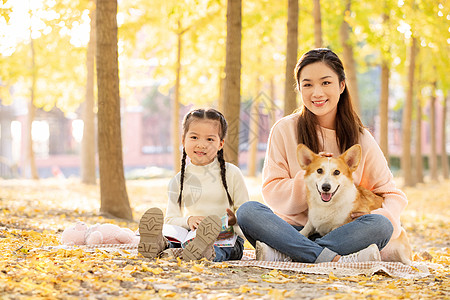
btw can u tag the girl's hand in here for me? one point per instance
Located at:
(194, 221)
(231, 217)
(357, 214)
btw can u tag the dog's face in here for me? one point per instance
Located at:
(326, 176)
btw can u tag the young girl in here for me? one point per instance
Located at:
(325, 123)
(205, 189)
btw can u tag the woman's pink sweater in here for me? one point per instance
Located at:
(283, 187)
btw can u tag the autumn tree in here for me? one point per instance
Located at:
(88, 153)
(29, 151)
(419, 178)
(377, 25)
(44, 60)
(425, 19)
(42, 71)
(253, 137)
(327, 24)
(261, 22)
(429, 22)
(444, 158)
(232, 105)
(433, 152)
(317, 24)
(438, 47)
(384, 109)
(190, 52)
(176, 101)
(407, 117)
(180, 31)
(348, 58)
(114, 197)
(290, 96)
(384, 79)
(196, 74)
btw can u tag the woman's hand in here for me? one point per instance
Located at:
(231, 217)
(194, 221)
(325, 154)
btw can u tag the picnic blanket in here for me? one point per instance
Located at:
(393, 269)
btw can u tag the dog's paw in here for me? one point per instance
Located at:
(304, 232)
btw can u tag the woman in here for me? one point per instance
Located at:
(326, 122)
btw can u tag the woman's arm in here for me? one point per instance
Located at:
(283, 185)
(378, 178)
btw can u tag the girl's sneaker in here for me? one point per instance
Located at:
(152, 241)
(370, 253)
(267, 253)
(206, 235)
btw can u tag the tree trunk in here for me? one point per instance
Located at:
(220, 102)
(232, 104)
(384, 109)
(418, 148)
(407, 115)
(176, 106)
(6, 141)
(253, 134)
(88, 155)
(349, 60)
(273, 107)
(444, 159)
(317, 24)
(384, 95)
(30, 157)
(30, 165)
(290, 96)
(433, 154)
(113, 192)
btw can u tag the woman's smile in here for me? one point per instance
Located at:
(319, 103)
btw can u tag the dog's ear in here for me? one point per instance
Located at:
(304, 156)
(352, 157)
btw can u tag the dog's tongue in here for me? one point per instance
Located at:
(326, 197)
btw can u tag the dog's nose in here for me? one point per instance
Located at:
(326, 187)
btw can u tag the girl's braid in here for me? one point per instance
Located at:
(223, 174)
(183, 167)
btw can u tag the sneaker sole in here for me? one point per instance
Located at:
(207, 233)
(150, 230)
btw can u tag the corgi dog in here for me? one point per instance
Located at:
(332, 197)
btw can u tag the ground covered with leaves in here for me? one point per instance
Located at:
(34, 213)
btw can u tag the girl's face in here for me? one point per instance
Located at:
(202, 141)
(320, 89)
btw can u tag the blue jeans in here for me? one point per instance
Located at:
(259, 223)
(230, 253)
(223, 253)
